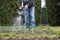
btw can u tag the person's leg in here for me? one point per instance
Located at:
(27, 18)
(32, 14)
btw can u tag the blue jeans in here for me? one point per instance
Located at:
(29, 17)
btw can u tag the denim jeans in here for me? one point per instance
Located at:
(29, 17)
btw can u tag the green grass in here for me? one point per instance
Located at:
(14, 34)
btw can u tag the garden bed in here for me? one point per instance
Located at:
(30, 38)
(39, 33)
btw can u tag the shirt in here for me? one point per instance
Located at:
(29, 2)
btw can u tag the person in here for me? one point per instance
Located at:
(28, 11)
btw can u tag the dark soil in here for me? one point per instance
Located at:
(35, 32)
(30, 32)
(30, 38)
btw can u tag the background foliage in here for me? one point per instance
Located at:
(53, 12)
(8, 10)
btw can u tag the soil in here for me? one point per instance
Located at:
(35, 32)
(30, 32)
(30, 38)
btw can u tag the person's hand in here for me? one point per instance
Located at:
(20, 7)
(26, 6)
